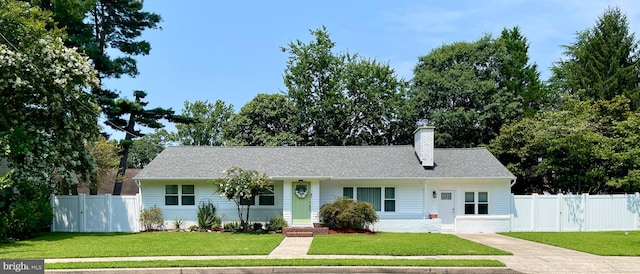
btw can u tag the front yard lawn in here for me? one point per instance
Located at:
(277, 262)
(85, 245)
(614, 243)
(398, 244)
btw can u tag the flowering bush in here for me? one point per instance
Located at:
(240, 185)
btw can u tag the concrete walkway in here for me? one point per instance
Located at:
(528, 257)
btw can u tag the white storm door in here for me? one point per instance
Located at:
(446, 207)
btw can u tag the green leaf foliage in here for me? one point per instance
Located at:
(46, 114)
(267, 120)
(581, 149)
(348, 213)
(208, 125)
(239, 184)
(468, 90)
(602, 63)
(341, 99)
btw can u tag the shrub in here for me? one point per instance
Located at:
(152, 219)
(193, 228)
(177, 223)
(207, 218)
(276, 223)
(233, 225)
(257, 226)
(348, 213)
(23, 218)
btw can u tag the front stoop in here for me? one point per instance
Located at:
(304, 231)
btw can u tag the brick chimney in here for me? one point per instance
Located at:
(424, 144)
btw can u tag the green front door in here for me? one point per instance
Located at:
(301, 203)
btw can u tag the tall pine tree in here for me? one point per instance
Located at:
(602, 63)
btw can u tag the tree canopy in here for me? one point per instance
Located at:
(468, 90)
(240, 184)
(602, 63)
(267, 120)
(342, 99)
(209, 119)
(46, 115)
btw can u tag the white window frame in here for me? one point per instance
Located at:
(476, 202)
(383, 199)
(179, 194)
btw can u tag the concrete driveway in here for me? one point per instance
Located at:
(531, 257)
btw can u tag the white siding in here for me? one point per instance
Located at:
(408, 195)
(499, 192)
(152, 193)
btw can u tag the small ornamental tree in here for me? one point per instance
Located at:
(240, 185)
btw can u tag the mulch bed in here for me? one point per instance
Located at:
(350, 230)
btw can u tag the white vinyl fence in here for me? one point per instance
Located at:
(575, 212)
(107, 213)
(95, 213)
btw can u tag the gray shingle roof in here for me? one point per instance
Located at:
(195, 162)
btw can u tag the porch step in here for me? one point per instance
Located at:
(304, 231)
(299, 234)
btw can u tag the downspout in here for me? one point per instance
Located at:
(513, 182)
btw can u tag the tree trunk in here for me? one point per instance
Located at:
(122, 169)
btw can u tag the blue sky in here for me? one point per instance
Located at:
(230, 50)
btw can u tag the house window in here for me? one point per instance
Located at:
(372, 195)
(347, 192)
(188, 195)
(267, 197)
(390, 199)
(380, 197)
(175, 195)
(476, 203)
(248, 201)
(171, 195)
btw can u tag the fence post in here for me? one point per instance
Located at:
(559, 210)
(138, 209)
(637, 194)
(107, 202)
(585, 216)
(82, 207)
(53, 210)
(534, 212)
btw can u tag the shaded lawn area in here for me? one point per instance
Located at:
(398, 244)
(81, 245)
(610, 243)
(277, 262)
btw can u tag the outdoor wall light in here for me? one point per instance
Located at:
(300, 181)
(435, 195)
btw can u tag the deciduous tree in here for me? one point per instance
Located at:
(342, 99)
(208, 125)
(239, 184)
(147, 147)
(468, 90)
(46, 114)
(267, 120)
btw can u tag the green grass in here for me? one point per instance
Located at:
(399, 244)
(85, 245)
(599, 243)
(277, 262)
